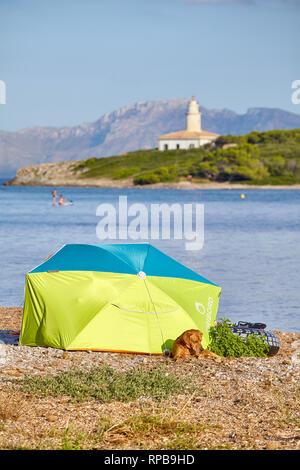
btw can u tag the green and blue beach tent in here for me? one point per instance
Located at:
(115, 297)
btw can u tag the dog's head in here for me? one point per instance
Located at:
(192, 339)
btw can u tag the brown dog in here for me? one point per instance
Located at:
(188, 345)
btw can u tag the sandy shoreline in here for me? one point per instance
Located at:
(184, 185)
(241, 403)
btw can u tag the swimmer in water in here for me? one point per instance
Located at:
(53, 197)
(61, 201)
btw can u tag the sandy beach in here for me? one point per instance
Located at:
(239, 403)
(128, 183)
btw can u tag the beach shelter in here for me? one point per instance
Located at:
(115, 297)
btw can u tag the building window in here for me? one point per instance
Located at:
(178, 146)
(166, 147)
(192, 146)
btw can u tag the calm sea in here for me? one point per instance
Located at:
(251, 247)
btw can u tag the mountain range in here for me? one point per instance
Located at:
(132, 127)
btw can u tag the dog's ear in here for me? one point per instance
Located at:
(200, 335)
(195, 336)
(186, 337)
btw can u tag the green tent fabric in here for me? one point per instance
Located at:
(115, 297)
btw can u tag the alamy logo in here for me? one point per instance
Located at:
(296, 94)
(139, 221)
(2, 92)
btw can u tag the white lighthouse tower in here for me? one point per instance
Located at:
(193, 120)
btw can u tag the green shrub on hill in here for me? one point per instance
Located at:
(159, 175)
(233, 164)
(121, 173)
(148, 177)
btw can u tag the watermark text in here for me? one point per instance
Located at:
(296, 94)
(138, 221)
(2, 92)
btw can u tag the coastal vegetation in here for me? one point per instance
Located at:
(225, 343)
(257, 158)
(106, 384)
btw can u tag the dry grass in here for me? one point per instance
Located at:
(10, 318)
(10, 409)
(290, 411)
(145, 429)
(262, 419)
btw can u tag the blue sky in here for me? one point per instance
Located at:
(65, 62)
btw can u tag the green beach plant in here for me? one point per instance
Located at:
(106, 384)
(225, 343)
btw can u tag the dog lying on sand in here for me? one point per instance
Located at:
(189, 345)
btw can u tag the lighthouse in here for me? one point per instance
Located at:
(193, 117)
(192, 137)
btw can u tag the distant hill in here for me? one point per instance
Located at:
(130, 128)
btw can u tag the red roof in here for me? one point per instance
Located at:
(187, 135)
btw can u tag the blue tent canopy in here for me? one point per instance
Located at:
(118, 258)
